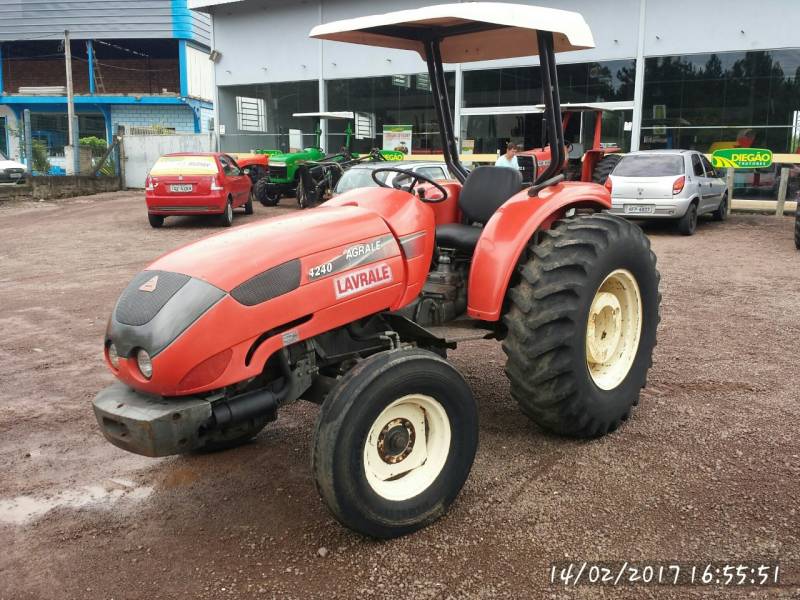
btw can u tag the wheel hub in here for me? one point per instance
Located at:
(407, 447)
(605, 327)
(396, 441)
(613, 329)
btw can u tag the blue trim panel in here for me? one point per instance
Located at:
(181, 20)
(184, 67)
(92, 100)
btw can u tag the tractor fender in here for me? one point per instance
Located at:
(508, 232)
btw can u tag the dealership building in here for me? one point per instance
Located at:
(673, 74)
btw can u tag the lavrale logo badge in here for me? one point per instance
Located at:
(149, 285)
(362, 279)
(742, 158)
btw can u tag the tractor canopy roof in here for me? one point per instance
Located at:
(327, 115)
(469, 31)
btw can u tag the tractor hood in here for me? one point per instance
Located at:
(289, 158)
(230, 258)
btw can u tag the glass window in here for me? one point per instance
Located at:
(697, 166)
(228, 167)
(649, 165)
(518, 86)
(392, 100)
(710, 172)
(251, 114)
(431, 172)
(280, 102)
(722, 100)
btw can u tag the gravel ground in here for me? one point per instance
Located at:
(707, 469)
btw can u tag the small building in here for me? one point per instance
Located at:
(137, 63)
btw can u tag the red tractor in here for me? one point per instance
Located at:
(353, 305)
(593, 164)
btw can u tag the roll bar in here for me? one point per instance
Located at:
(552, 111)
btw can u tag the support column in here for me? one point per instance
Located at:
(323, 96)
(90, 54)
(458, 103)
(638, 88)
(1, 69)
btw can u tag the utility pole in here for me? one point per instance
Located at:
(72, 156)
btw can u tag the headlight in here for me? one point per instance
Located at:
(113, 357)
(144, 362)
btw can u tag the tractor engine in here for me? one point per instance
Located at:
(444, 296)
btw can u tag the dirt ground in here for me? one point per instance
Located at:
(707, 469)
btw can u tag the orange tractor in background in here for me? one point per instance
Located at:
(594, 163)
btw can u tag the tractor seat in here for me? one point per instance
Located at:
(485, 190)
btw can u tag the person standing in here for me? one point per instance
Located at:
(509, 159)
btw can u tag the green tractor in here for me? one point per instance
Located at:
(292, 170)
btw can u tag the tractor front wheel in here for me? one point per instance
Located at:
(263, 195)
(394, 442)
(582, 325)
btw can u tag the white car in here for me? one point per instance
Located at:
(11, 171)
(667, 184)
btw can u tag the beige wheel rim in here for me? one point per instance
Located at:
(614, 329)
(407, 447)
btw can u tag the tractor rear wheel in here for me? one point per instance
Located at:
(263, 195)
(582, 325)
(394, 442)
(604, 167)
(301, 195)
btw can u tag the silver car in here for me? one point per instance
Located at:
(360, 176)
(667, 184)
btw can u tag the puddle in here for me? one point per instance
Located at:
(23, 509)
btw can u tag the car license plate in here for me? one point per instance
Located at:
(15, 175)
(639, 209)
(181, 188)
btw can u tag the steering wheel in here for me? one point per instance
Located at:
(415, 179)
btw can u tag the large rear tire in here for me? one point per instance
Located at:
(226, 218)
(156, 221)
(394, 442)
(604, 167)
(582, 325)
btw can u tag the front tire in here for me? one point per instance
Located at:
(263, 195)
(582, 325)
(394, 442)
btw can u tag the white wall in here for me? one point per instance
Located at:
(200, 74)
(692, 27)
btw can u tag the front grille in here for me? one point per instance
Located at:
(277, 173)
(137, 307)
(525, 163)
(6, 175)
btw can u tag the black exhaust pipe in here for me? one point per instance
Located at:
(252, 405)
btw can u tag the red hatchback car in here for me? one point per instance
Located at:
(205, 183)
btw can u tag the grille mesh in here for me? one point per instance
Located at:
(269, 284)
(137, 307)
